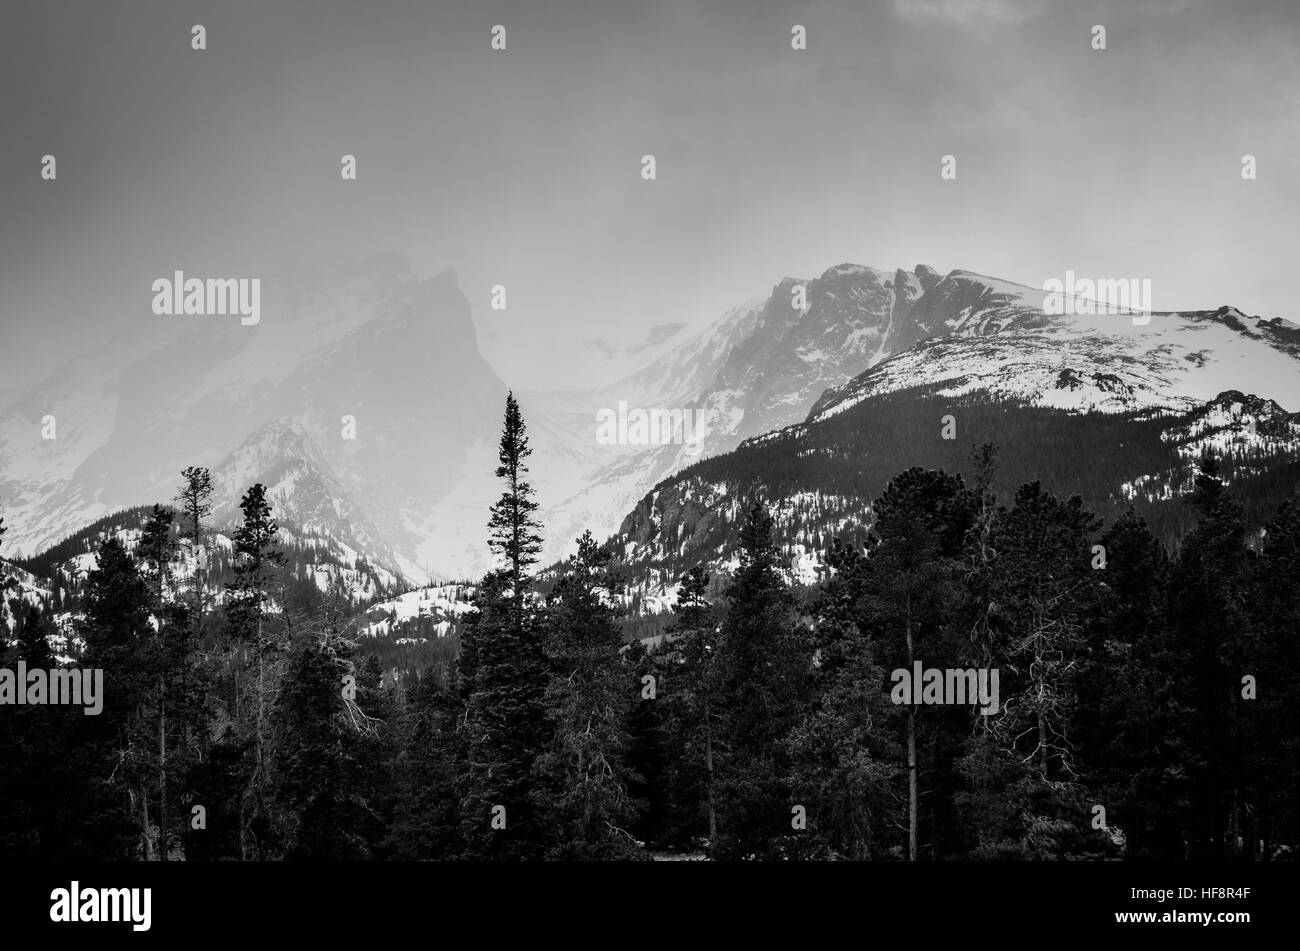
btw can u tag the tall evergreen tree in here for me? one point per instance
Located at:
(170, 654)
(690, 690)
(1213, 648)
(30, 737)
(426, 822)
(513, 529)
(1045, 588)
(111, 752)
(317, 756)
(1121, 732)
(1276, 601)
(845, 767)
(31, 638)
(914, 604)
(502, 670)
(195, 499)
(761, 671)
(258, 559)
(584, 777)
(650, 785)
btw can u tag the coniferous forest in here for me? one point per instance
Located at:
(1147, 703)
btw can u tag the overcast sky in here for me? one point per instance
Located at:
(523, 167)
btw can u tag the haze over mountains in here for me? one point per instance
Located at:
(400, 357)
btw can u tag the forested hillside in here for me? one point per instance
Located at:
(1137, 698)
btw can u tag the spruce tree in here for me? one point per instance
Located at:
(426, 821)
(155, 550)
(690, 690)
(258, 559)
(1120, 728)
(31, 638)
(1045, 589)
(1215, 647)
(1276, 604)
(502, 670)
(583, 793)
(30, 737)
(316, 760)
(195, 498)
(760, 675)
(109, 814)
(650, 777)
(915, 605)
(844, 767)
(513, 529)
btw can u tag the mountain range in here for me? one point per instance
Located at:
(364, 404)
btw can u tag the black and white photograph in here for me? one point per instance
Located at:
(476, 446)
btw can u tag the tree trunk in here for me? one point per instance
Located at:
(913, 837)
(708, 765)
(162, 768)
(144, 825)
(913, 847)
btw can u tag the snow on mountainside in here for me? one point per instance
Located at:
(817, 479)
(866, 332)
(19, 590)
(583, 484)
(314, 560)
(362, 400)
(759, 367)
(369, 342)
(1251, 431)
(1101, 362)
(302, 489)
(317, 559)
(437, 609)
(1236, 424)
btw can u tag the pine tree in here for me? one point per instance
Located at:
(1216, 647)
(914, 603)
(1120, 727)
(156, 549)
(844, 766)
(31, 638)
(258, 558)
(112, 750)
(584, 777)
(195, 498)
(690, 689)
(426, 822)
(1276, 601)
(649, 784)
(1045, 588)
(513, 529)
(375, 742)
(760, 675)
(316, 753)
(30, 737)
(502, 670)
